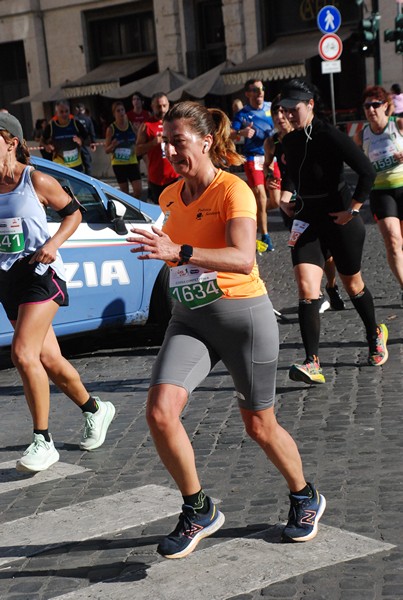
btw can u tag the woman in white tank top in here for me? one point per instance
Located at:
(382, 141)
(32, 287)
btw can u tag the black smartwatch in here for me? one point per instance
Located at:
(354, 212)
(186, 253)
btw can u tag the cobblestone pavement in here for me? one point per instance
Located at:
(349, 431)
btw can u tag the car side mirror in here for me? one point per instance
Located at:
(117, 222)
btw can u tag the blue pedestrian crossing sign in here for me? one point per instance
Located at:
(328, 19)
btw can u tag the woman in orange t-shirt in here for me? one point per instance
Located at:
(222, 312)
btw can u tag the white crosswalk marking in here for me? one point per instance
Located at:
(223, 570)
(10, 479)
(239, 566)
(76, 523)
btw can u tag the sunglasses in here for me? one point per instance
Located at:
(257, 90)
(375, 104)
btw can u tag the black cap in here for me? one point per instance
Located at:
(290, 98)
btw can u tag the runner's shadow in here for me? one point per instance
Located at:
(16, 448)
(108, 572)
(11, 474)
(269, 533)
(97, 573)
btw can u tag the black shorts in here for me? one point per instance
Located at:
(124, 173)
(387, 203)
(344, 242)
(21, 285)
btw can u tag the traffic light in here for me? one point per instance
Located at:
(399, 34)
(368, 33)
(396, 35)
(389, 35)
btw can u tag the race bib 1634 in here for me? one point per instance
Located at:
(194, 286)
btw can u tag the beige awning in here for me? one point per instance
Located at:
(165, 81)
(106, 77)
(210, 82)
(284, 59)
(51, 94)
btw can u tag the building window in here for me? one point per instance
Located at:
(14, 83)
(210, 48)
(123, 31)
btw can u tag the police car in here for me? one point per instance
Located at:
(107, 284)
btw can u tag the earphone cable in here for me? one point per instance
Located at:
(307, 131)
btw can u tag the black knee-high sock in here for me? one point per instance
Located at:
(364, 305)
(309, 323)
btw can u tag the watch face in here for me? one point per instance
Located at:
(186, 251)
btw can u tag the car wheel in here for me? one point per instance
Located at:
(161, 300)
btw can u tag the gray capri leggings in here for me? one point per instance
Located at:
(243, 333)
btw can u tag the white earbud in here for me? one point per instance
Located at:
(205, 146)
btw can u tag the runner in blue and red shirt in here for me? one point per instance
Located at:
(255, 124)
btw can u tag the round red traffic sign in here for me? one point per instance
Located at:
(330, 46)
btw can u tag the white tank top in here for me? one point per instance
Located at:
(23, 226)
(380, 148)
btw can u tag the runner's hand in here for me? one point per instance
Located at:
(288, 208)
(273, 183)
(342, 217)
(45, 255)
(154, 245)
(248, 131)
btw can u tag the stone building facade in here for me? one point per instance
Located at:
(48, 43)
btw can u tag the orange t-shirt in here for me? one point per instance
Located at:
(202, 225)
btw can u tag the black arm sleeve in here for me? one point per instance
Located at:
(287, 184)
(355, 158)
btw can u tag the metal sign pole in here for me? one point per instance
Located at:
(330, 46)
(332, 98)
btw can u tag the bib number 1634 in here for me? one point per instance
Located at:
(194, 288)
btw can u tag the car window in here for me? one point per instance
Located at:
(131, 213)
(87, 196)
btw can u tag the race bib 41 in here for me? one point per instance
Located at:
(12, 239)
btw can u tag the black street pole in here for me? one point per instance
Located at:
(377, 46)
